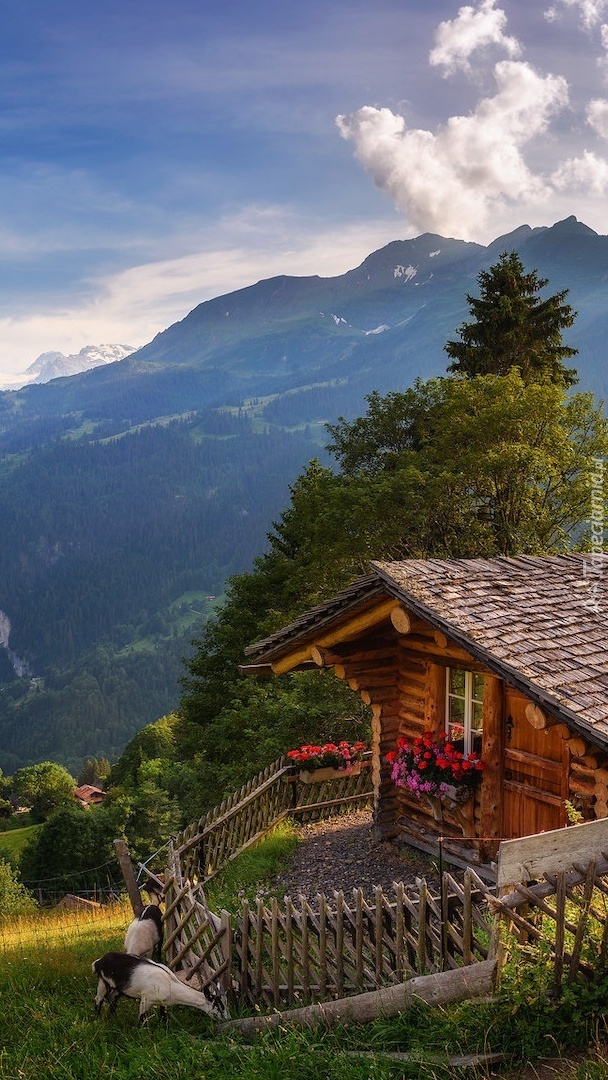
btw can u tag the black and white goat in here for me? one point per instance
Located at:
(125, 975)
(145, 934)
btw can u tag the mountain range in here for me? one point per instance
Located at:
(129, 492)
(56, 365)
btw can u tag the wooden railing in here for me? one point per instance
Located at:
(207, 846)
(568, 914)
(201, 945)
(291, 951)
(294, 951)
(197, 942)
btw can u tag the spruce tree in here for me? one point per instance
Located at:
(514, 327)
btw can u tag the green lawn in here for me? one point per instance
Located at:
(14, 839)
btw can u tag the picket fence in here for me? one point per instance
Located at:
(296, 950)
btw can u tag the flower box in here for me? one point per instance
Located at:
(327, 762)
(317, 776)
(456, 793)
(457, 802)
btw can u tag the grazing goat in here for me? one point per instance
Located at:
(124, 975)
(145, 934)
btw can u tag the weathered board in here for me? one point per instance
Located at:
(531, 857)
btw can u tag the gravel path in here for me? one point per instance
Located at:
(342, 853)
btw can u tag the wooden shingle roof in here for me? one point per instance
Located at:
(539, 622)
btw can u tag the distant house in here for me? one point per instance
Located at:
(88, 795)
(507, 655)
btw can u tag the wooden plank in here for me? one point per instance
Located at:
(467, 921)
(378, 936)
(358, 894)
(339, 896)
(490, 823)
(531, 857)
(434, 698)
(245, 972)
(126, 866)
(577, 947)
(289, 948)
(305, 951)
(322, 946)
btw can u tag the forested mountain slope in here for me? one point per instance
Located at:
(130, 492)
(109, 550)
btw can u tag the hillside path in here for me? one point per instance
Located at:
(342, 853)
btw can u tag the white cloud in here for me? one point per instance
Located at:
(587, 172)
(591, 11)
(454, 181)
(597, 116)
(457, 39)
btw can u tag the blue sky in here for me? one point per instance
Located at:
(155, 155)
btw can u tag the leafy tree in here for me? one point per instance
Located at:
(514, 327)
(14, 897)
(149, 813)
(44, 787)
(155, 741)
(499, 466)
(72, 842)
(452, 468)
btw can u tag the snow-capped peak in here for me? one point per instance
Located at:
(54, 365)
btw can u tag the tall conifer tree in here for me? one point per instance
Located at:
(514, 327)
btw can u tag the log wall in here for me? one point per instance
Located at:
(398, 667)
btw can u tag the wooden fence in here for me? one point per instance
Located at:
(197, 942)
(292, 951)
(296, 951)
(208, 845)
(568, 914)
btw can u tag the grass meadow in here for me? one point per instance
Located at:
(49, 1028)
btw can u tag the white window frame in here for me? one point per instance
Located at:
(469, 701)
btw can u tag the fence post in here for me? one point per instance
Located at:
(226, 950)
(126, 866)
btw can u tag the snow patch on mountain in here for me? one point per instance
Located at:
(406, 272)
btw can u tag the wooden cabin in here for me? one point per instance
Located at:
(510, 655)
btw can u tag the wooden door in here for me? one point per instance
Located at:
(535, 774)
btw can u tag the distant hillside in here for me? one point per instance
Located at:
(128, 493)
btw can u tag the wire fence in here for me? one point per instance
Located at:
(98, 885)
(53, 934)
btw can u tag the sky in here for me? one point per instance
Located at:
(155, 154)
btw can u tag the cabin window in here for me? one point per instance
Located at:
(464, 707)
